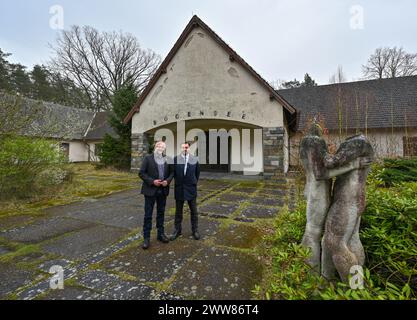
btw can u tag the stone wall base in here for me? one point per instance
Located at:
(140, 147)
(273, 151)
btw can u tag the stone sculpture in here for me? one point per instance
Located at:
(320, 167)
(341, 246)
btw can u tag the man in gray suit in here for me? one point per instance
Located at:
(156, 174)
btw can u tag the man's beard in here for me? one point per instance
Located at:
(159, 153)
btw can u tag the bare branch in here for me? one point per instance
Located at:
(101, 63)
(390, 63)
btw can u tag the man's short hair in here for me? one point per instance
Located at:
(187, 142)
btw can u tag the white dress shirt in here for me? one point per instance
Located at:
(185, 161)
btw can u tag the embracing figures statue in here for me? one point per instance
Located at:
(335, 209)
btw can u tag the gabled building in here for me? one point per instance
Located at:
(80, 132)
(204, 84)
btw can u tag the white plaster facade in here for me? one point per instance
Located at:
(201, 78)
(205, 88)
(80, 151)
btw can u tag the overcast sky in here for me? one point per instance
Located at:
(280, 39)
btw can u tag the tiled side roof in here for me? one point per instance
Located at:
(383, 103)
(99, 127)
(51, 120)
(56, 121)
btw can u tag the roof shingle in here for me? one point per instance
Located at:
(382, 103)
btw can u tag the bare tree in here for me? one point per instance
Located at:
(390, 63)
(338, 76)
(100, 63)
(409, 65)
(401, 63)
(377, 64)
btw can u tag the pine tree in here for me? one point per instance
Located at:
(116, 151)
(19, 78)
(4, 72)
(308, 81)
(41, 86)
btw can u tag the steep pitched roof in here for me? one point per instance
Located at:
(382, 103)
(52, 120)
(99, 127)
(197, 22)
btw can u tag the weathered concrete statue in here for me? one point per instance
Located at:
(341, 245)
(320, 167)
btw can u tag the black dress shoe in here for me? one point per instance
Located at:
(146, 243)
(163, 238)
(175, 235)
(196, 235)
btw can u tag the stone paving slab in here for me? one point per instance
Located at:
(277, 182)
(213, 185)
(32, 258)
(248, 190)
(218, 274)
(239, 235)
(230, 197)
(46, 265)
(43, 229)
(218, 210)
(84, 242)
(157, 264)
(12, 278)
(256, 211)
(268, 201)
(207, 227)
(126, 214)
(114, 287)
(273, 192)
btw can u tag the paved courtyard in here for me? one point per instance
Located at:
(97, 243)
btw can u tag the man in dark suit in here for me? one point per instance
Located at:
(186, 173)
(156, 174)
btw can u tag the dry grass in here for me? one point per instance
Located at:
(87, 182)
